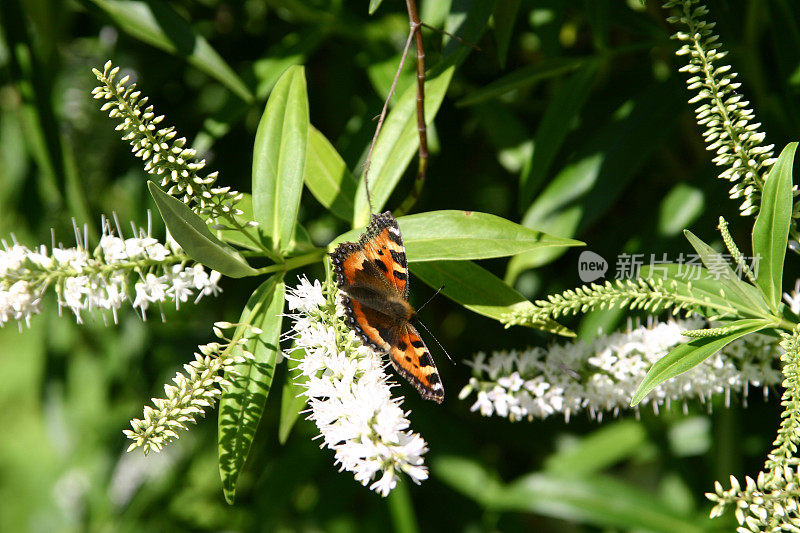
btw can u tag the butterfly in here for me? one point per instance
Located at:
(372, 274)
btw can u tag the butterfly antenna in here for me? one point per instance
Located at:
(437, 340)
(431, 298)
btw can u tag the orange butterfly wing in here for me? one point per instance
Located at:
(411, 358)
(373, 275)
(383, 245)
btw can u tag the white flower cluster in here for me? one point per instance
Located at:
(165, 157)
(349, 395)
(767, 503)
(194, 391)
(85, 281)
(603, 375)
(731, 130)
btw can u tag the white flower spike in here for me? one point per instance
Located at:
(349, 394)
(602, 376)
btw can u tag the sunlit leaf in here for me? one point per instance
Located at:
(771, 230)
(292, 401)
(243, 401)
(279, 158)
(456, 235)
(478, 290)
(327, 177)
(690, 354)
(196, 239)
(397, 144)
(735, 289)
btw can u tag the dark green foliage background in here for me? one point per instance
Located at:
(67, 391)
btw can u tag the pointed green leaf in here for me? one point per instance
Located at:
(505, 14)
(719, 268)
(520, 78)
(242, 403)
(397, 144)
(279, 158)
(467, 19)
(457, 235)
(157, 24)
(600, 449)
(585, 189)
(559, 118)
(292, 399)
(687, 356)
(679, 209)
(478, 290)
(196, 239)
(327, 177)
(374, 5)
(771, 230)
(598, 500)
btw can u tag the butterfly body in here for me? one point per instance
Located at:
(372, 274)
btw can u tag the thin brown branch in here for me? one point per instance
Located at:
(422, 170)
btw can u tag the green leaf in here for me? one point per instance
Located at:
(242, 403)
(719, 268)
(196, 239)
(600, 449)
(682, 205)
(456, 235)
(559, 118)
(520, 78)
(374, 5)
(397, 144)
(771, 230)
(247, 237)
(505, 14)
(279, 158)
(157, 24)
(585, 189)
(689, 355)
(292, 401)
(598, 500)
(327, 177)
(467, 19)
(468, 477)
(478, 290)
(381, 75)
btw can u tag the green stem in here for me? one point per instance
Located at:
(294, 262)
(401, 509)
(46, 277)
